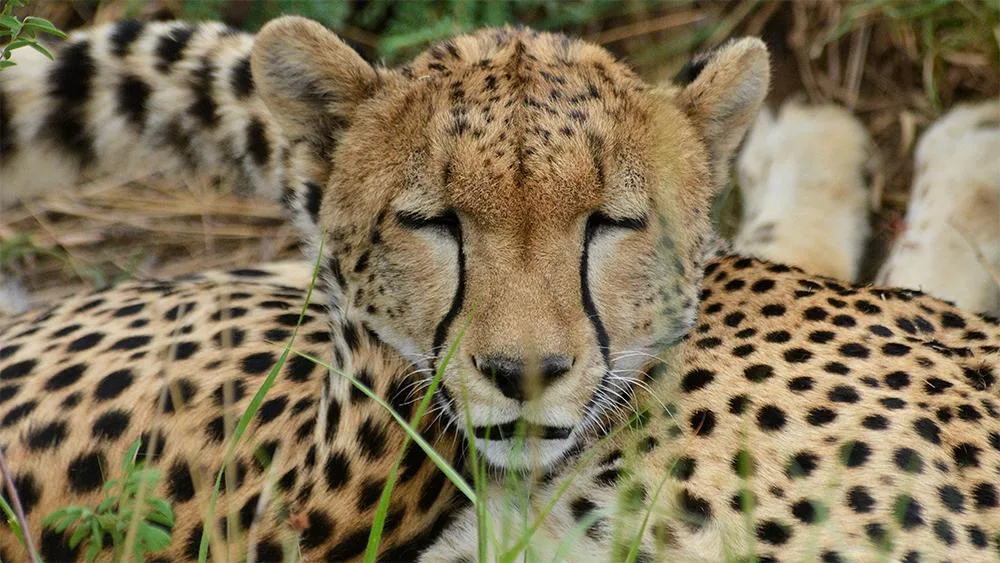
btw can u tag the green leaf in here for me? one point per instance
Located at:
(77, 537)
(130, 455)
(43, 25)
(41, 49)
(155, 538)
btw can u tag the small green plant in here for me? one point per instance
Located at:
(18, 33)
(111, 518)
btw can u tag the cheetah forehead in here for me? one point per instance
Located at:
(514, 115)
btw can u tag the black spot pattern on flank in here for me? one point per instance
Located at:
(371, 439)
(132, 97)
(702, 422)
(71, 79)
(180, 487)
(17, 370)
(170, 47)
(773, 532)
(8, 392)
(123, 34)
(256, 364)
(928, 430)
(131, 342)
(300, 369)
(696, 379)
(16, 414)
(85, 342)
(182, 389)
(985, 496)
(241, 79)
(204, 108)
(46, 436)
(65, 377)
(770, 418)
(272, 408)
(314, 197)
(802, 464)
(258, 147)
(86, 472)
(28, 490)
(320, 529)
(860, 500)
(348, 548)
(854, 453)
(110, 425)
(55, 547)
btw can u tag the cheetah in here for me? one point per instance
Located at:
(526, 196)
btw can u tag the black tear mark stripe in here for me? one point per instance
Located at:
(70, 87)
(594, 222)
(450, 223)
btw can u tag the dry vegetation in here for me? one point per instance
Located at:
(898, 64)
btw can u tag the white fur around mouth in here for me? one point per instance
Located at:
(524, 453)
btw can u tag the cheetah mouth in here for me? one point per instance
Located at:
(520, 428)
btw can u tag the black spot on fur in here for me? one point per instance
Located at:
(170, 47)
(46, 436)
(204, 108)
(110, 425)
(241, 79)
(65, 377)
(180, 487)
(371, 439)
(314, 197)
(258, 147)
(337, 470)
(71, 79)
(28, 491)
(17, 370)
(132, 97)
(86, 472)
(123, 35)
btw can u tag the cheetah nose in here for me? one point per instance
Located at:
(508, 374)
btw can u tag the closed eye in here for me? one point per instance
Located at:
(447, 221)
(599, 220)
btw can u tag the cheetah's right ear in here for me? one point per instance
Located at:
(723, 93)
(310, 80)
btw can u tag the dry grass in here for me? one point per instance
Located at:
(898, 64)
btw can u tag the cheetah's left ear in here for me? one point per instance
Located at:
(310, 80)
(724, 91)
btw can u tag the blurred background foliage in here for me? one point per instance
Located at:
(897, 64)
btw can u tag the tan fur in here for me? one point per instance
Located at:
(508, 142)
(951, 244)
(804, 190)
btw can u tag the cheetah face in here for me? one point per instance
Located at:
(519, 194)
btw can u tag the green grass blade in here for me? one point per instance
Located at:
(441, 463)
(371, 551)
(250, 412)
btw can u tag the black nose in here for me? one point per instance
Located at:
(508, 373)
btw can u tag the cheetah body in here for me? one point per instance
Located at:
(503, 155)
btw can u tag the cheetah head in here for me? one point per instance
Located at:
(520, 193)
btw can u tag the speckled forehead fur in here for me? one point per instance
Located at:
(513, 127)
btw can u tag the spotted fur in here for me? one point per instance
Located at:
(526, 193)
